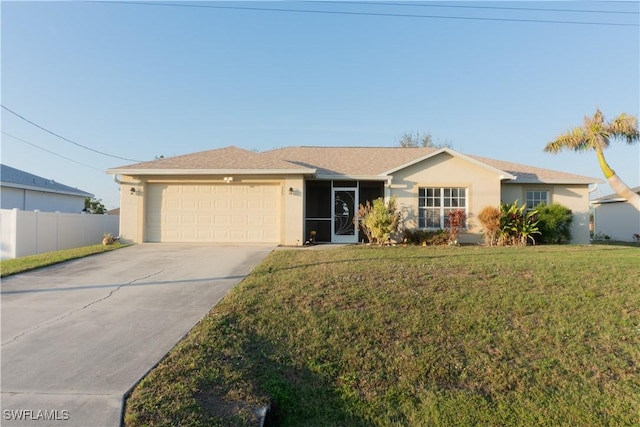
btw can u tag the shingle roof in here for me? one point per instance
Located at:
(613, 198)
(337, 161)
(349, 161)
(227, 158)
(532, 174)
(12, 177)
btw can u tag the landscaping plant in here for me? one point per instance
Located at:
(516, 225)
(489, 217)
(457, 219)
(379, 221)
(554, 223)
(425, 237)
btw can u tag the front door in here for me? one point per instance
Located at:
(344, 210)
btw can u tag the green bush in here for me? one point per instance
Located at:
(426, 237)
(516, 225)
(379, 221)
(554, 224)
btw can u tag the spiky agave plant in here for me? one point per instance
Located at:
(596, 134)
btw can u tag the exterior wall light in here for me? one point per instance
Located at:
(291, 191)
(132, 190)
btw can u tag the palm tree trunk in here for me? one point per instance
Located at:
(624, 191)
(616, 183)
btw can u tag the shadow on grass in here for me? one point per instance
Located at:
(615, 243)
(296, 396)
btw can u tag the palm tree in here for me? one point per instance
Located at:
(595, 135)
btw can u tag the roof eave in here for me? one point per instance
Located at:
(515, 180)
(79, 193)
(174, 172)
(608, 201)
(351, 177)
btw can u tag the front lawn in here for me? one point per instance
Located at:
(409, 336)
(32, 262)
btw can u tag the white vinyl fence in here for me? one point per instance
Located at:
(33, 232)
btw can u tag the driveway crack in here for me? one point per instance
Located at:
(50, 322)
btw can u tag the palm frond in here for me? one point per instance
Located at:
(576, 139)
(625, 127)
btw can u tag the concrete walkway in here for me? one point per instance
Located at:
(75, 337)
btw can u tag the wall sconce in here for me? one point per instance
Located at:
(291, 191)
(228, 179)
(132, 190)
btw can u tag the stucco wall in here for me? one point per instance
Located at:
(293, 212)
(444, 170)
(574, 197)
(130, 209)
(619, 221)
(29, 200)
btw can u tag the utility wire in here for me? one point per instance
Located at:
(396, 15)
(49, 151)
(457, 6)
(66, 139)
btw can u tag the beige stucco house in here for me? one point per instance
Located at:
(281, 196)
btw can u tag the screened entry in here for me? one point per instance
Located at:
(331, 206)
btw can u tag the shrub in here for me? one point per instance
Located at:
(516, 225)
(426, 237)
(378, 221)
(457, 220)
(489, 217)
(554, 223)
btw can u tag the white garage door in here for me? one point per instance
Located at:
(213, 213)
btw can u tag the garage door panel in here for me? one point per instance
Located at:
(213, 213)
(270, 220)
(238, 220)
(238, 204)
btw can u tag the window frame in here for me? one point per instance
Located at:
(547, 200)
(440, 200)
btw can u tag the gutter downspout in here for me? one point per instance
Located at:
(117, 181)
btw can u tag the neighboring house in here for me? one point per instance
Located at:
(281, 196)
(28, 192)
(615, 217)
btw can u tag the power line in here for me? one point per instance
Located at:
(49, 151)
(395, 15)
(66, 139)
(457, 6)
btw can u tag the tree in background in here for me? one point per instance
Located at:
(595, 134)
(94, 206)
(409, 139)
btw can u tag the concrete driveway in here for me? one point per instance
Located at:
(77, 336)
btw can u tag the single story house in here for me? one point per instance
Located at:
(613, 216)
(25, 191)
(281, 196)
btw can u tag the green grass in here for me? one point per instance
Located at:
(408, 336)
(32, 262)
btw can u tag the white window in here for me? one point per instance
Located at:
(535, 197)
(435, 203)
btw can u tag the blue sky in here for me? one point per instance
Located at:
(138, 81)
